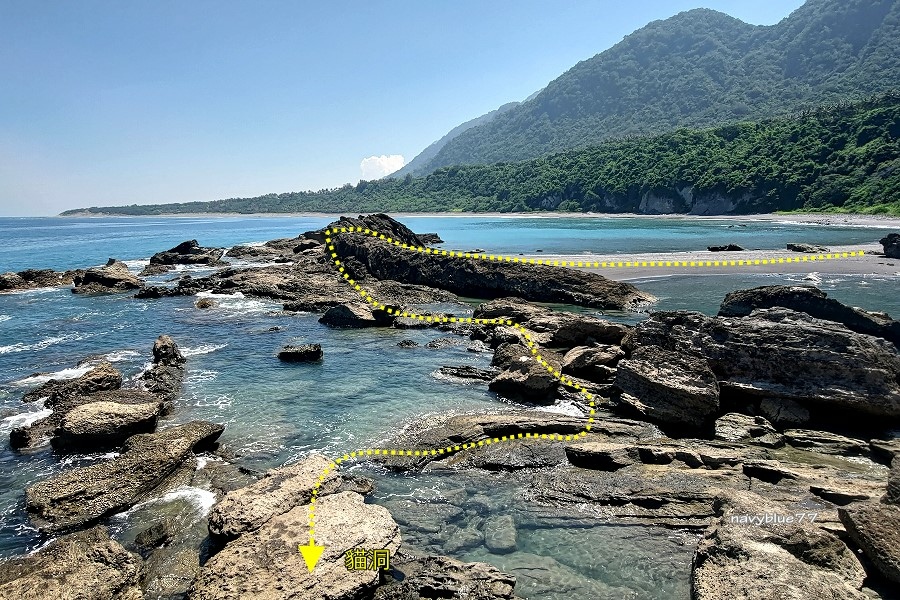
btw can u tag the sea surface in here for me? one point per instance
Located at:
(367, 388)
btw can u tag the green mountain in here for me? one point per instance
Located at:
(696, 69)
(842, 157)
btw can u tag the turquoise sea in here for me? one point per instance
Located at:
(366, 388)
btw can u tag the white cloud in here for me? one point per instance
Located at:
(376, 167)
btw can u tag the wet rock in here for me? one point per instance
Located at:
(103, 425)
(875, 528)
(156, 535)
(169, 571)
(891, 244)
(814, 302)
(10, 281)
(189, 253)
(102, 377)
(204, 303)
(165, 377)
(343, 521)
(500, 536)
(825, 442)
(302, 353)
(112, 278)
(507, 456)
(808, 248)
(248, 508)
(86, 564)
(463, 538)
(482, 278)
(445, 342)
(668, 387)
(526, 380)
(153, 270)
(735, 427)
(35, 278)
(779, 353)
(725, 248)
(783, 411)
(83, 495)
(355, 315)
(467, 373)
(407, 344)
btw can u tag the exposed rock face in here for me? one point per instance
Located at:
(302, 353)
(893, 488)
(101, 425)
(783, 411)
(891, 243)
(204, 303)
(796, 561)
(482, 278)
(248, 508)
(876, 529)
(526, 379)
(825, 442)
(189, 253)
(668, 386)
(35, 278)
(467, 373)
(83, 495)
(103, 377)
(782, 354)
(808, 248)
(86, 564)
(343, 521)
(814, 302)
(735, 427)
(592, 362)
(443, 577)
(113, 278)
(355, 315)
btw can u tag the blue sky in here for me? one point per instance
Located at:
(125, 102)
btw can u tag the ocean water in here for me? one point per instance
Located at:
(367, 388)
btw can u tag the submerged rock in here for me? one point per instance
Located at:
(112, 278)
(83, 495)
(500, 536)
(302, 353)
(86, 564)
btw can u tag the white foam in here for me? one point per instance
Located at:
(202, 349)
(41, 345)
(63, 374)
(5, 318)
(200, 375)
(201, 499)
(121, 355)
(202, 461)
(219, 401)
(237, 302)
(25, 419)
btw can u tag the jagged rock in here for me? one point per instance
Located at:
(769, 471)
(594, 363)
(891, 244)
(84, 495)
(516, 309)
(355, 314)
(825, 442)
(527, 380)
(790, 561)
(36, 278)
(407, 344)
(509, 456)
(808, 248)
(725, 248)
(779, 353)
(783, 411)
(189, 253)
(101, 378)
(156, 535)
(735, 427)
(814, 302)
(86, 564)
(279, 490)
(155, 269)
(466, 372)
(500, 536)
(302, 353)
(875, 528)
(165, 377)
(343, 521)
(12, 281)
(480, 278)
(668, 386)
(602, 456)
(101, 425)
(204, 303)
(112, 278)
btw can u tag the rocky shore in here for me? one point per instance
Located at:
(767, 431)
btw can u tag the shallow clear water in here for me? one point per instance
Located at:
(366, 388)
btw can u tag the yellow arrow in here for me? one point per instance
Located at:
(311, 554)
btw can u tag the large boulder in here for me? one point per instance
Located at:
(668, 387)
(102, 425)
(526, 379)
(84, 495)
(875, 528)
(86, 564)
(480, 278)
(595, 363)
(891, 244)
(343, 521)
(355, 314)
(112, 278)
(814, 302)
(301, 353)
(189, 253)
(783, 354)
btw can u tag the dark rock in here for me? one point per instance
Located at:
(825, 442)
(355, 315)
(304, 245)
(444, 342)
(102, 425)
(808, 248)
(466, 372)
(837, 496)
(893, 487)
(479, 278)
(594, 363)
(725, 248)
(885, 450)
(891, 243)
(668, 386)
(431, 238)
(782, 354)
(302, 353)
(407, 344)
(875, 528)
(443, 577)
(152, 270)
(735, 427)
(814, 302)
(189, 253)
(528, 380)
(84, 495)
(87, 564)
(165, 377)
(783, 411)
(769, 471)
(205, 303)
(12, 281)
(36, 278)
(103, 377)
(156, 535)
(602, 456)
(112, 278)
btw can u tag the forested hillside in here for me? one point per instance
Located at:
(696, 69)
(840, 157)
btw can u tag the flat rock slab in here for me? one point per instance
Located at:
(87, 564)
(876, 529)
(444, 577)
(302, 353)
(267, 564)
(104, 424)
